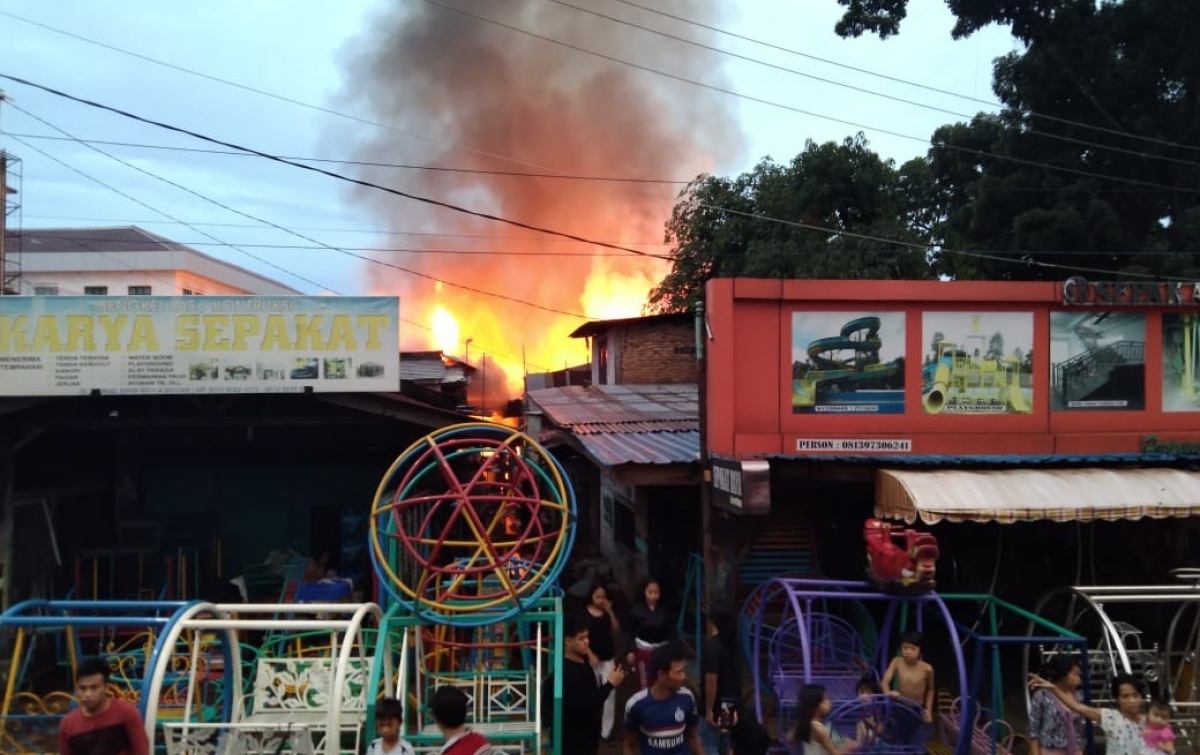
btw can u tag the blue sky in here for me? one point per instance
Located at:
(303, 51)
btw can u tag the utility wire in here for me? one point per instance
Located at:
(925, 247)
(931, 248)
(359, 119)
(801, 111)
(368, 163)
(907, 82)
(372, 231)
(864, 90)
(172, 284)
(389, 127)
(272, 95)
(76, 238)
(324, 172)
(299, 235)
(240, 245)
(165, 214)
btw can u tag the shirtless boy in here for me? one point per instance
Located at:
(913, 676)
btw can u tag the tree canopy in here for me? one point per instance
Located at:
(848, 214)
(1091, 165)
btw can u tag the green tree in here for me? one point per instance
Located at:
(845, 211)
(1089, 164)
(995, 346)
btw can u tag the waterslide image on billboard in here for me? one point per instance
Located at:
(847, 363)
(1181, 362)
(977, 363)
(1097, 361)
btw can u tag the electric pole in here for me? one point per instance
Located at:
(3, 210)
(5, 190)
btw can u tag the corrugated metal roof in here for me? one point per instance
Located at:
(1058, 495)
(430, 366)
(627, 424)
(639, 408)
(618, 448)
(596, 327)
(989, 460)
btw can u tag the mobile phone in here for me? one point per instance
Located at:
(725, 714)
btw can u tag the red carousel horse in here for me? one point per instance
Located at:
(900, 560)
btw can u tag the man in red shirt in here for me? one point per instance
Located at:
(100, 725)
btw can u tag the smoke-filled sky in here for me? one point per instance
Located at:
(412, 82)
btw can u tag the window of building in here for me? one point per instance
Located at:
(139, 290)
(50, 289)
(188, 292)
(95, 290)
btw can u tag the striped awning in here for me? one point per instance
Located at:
(1021, 495)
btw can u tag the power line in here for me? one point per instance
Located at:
(908, 82)
(324, 172)
(431, 234)
(365, 163)
(137, 201)
(910, 137)
(801, 111)
(299, 235)
(931, 248)
(173, 285)
(389, 127)
(925, 247)
(863, 90)
(469, 252)
(272, 95)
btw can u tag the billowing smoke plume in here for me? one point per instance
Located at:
(467, 94)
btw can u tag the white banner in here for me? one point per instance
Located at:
(71, 345)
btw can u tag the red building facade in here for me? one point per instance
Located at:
(828, 402)
(950, 368)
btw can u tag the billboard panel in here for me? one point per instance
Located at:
(847, 362)
(1181, 365)
(71, 345)
(1097, 360)
(978, 363)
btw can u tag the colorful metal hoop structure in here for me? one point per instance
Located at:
(471, 524)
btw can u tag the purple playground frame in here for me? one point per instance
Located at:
(828, 653)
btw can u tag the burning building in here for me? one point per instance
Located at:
(508, 114)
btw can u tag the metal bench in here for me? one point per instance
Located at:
(311, 700)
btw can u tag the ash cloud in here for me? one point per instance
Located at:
(498, 100)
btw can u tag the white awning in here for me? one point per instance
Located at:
(1019, 495)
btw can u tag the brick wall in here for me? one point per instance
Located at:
(659, 353)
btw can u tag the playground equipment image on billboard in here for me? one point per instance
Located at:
(72, 345)
(1181, 362)
(847, 363)
(1097, 360)
(977, 363)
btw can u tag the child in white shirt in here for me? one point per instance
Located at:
(388, 714)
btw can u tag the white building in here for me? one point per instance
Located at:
(120, 262)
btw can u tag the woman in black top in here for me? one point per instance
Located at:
(603, 626)
(651, 624)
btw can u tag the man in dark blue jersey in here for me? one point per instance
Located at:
(662, 719)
